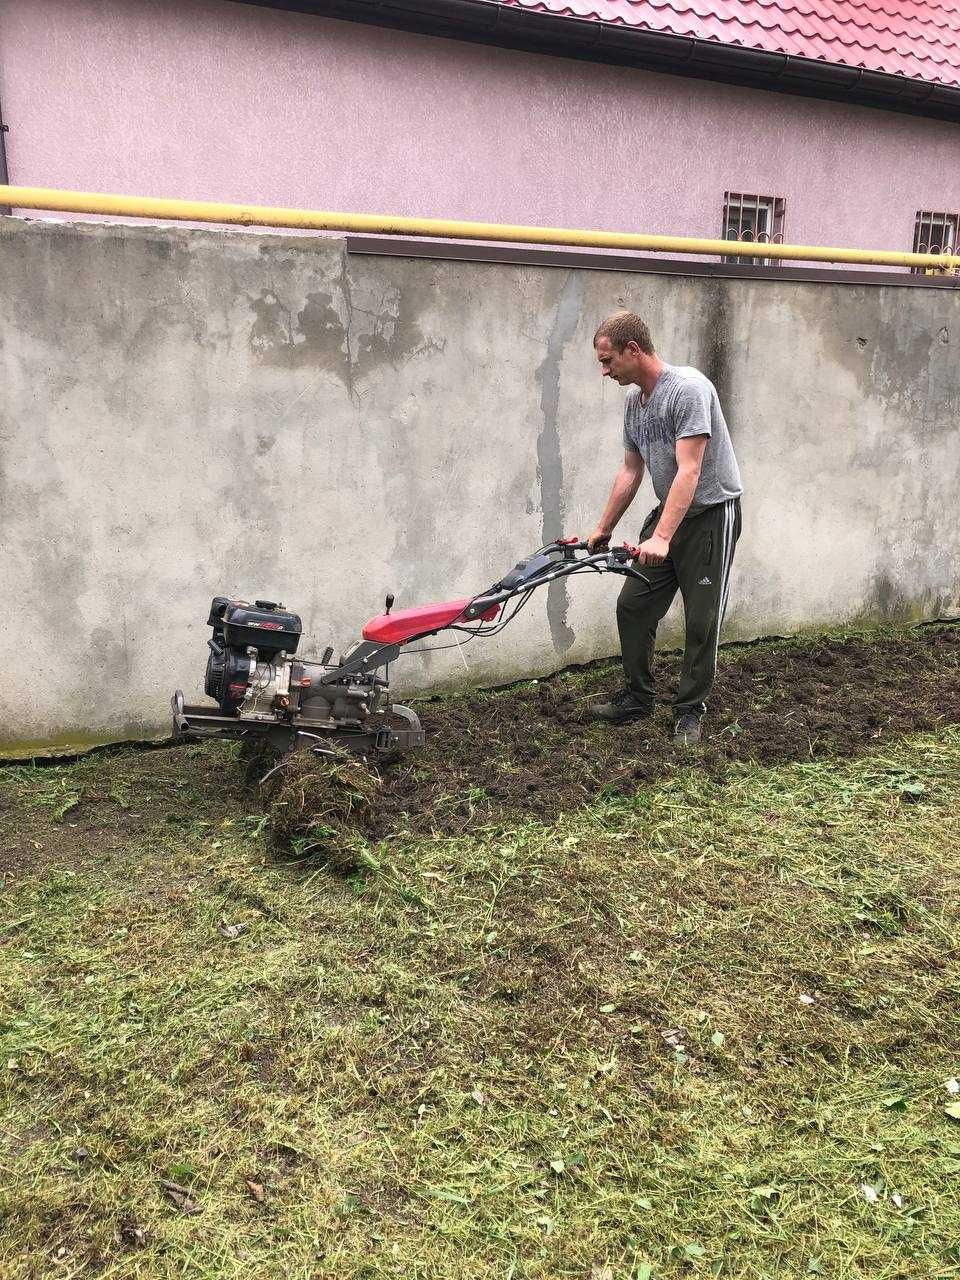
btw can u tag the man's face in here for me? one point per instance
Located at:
(622, 366)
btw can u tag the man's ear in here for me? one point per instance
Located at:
(633, 347)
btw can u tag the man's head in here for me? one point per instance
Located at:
(624, 349)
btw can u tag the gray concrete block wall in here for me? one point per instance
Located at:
(194, 412)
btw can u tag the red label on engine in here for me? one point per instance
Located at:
(236, 689)
(268, 626)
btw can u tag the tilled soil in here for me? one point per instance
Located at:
(536, 748)
(494, 757)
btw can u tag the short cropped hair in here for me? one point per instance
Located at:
(623, 327)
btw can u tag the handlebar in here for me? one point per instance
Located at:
(556, 560)
(626, 550)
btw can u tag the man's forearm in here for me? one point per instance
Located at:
(678, 502)
(624, 491)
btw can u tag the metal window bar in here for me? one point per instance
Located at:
(755, 219)
(934, 233)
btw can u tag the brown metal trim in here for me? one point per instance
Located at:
(599, 260)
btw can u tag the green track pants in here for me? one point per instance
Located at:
(701, 554)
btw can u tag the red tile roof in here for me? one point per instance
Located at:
(919, 39)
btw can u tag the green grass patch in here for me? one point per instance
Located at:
(700, 1028)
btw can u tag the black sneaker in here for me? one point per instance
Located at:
(686, 731)
(622, 707)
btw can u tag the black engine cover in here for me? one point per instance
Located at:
(264, 625)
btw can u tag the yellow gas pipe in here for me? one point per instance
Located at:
(444, 228)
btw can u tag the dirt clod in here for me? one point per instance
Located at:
(318, 804)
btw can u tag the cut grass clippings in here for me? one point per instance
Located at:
(705, 1026)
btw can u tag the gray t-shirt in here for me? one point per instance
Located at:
(683, 403)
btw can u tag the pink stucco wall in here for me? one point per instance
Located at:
(214, 100)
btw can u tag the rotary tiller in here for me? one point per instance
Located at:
(263, 692)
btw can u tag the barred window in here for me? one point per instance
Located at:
(934, 233)
(754, 219)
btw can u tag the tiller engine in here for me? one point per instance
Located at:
(263, 691)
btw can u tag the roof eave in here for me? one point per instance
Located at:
(512, 27)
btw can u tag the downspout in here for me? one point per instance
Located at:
(4, 179)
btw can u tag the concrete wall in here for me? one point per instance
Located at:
(212, 100)
(188, 412)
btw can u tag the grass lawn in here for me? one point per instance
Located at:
(703, 1025)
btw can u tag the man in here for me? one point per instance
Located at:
(674, 428)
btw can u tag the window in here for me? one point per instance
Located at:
(754, 219)
(934, 233)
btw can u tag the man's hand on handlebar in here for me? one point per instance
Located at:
(653, 550)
